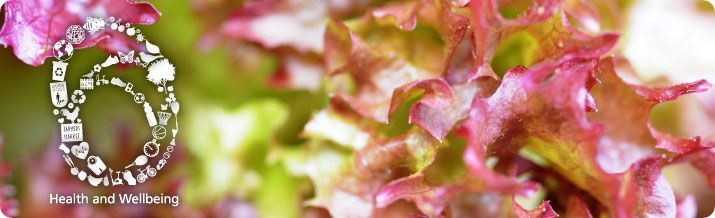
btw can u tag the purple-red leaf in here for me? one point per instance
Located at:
(32, 26)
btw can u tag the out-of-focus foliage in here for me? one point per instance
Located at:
(375, 108)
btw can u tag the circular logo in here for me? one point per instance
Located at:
(75, 34)
(62, 50)
(161, 116)
(159, 132)
(151, 149)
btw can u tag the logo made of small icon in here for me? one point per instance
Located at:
(161, 72)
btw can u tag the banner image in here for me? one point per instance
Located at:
(357, 108)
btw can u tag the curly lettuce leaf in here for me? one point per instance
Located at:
(545, 21)
(545, 110)
(367, 80)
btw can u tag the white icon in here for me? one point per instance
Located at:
(173, 142)
(129, 178)
(151, 149)
(175, 109)
(160, 72)
(148, 58)
(115, 180)
(71, 116)
(163, 117)
(161, 164)
(57, 112)
(93, 181)
(151, 48)
(80, 151)
(58, 93)
(62, 50)
(139, 161)
(111, 60)
(106, 181)
(139, 98)
(111, 20)
(90, 74)
(149, 114)
(82, 175)
(118, 82)
(96, 164)
(78, 97)
(86, 83)
(171, 97)
(102, 81)
(166, 155)
(73, 170)
(159, 132)
(129, 88)
(131, 31)
(58, 70)
(75, 34)
(141, 177)
(126, 58)
(64, 148)
(71, 132)
(150, 171)
(92, 25)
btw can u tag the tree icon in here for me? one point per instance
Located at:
(161, 72)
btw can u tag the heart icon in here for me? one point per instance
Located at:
(61, 120)
(81, 150)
